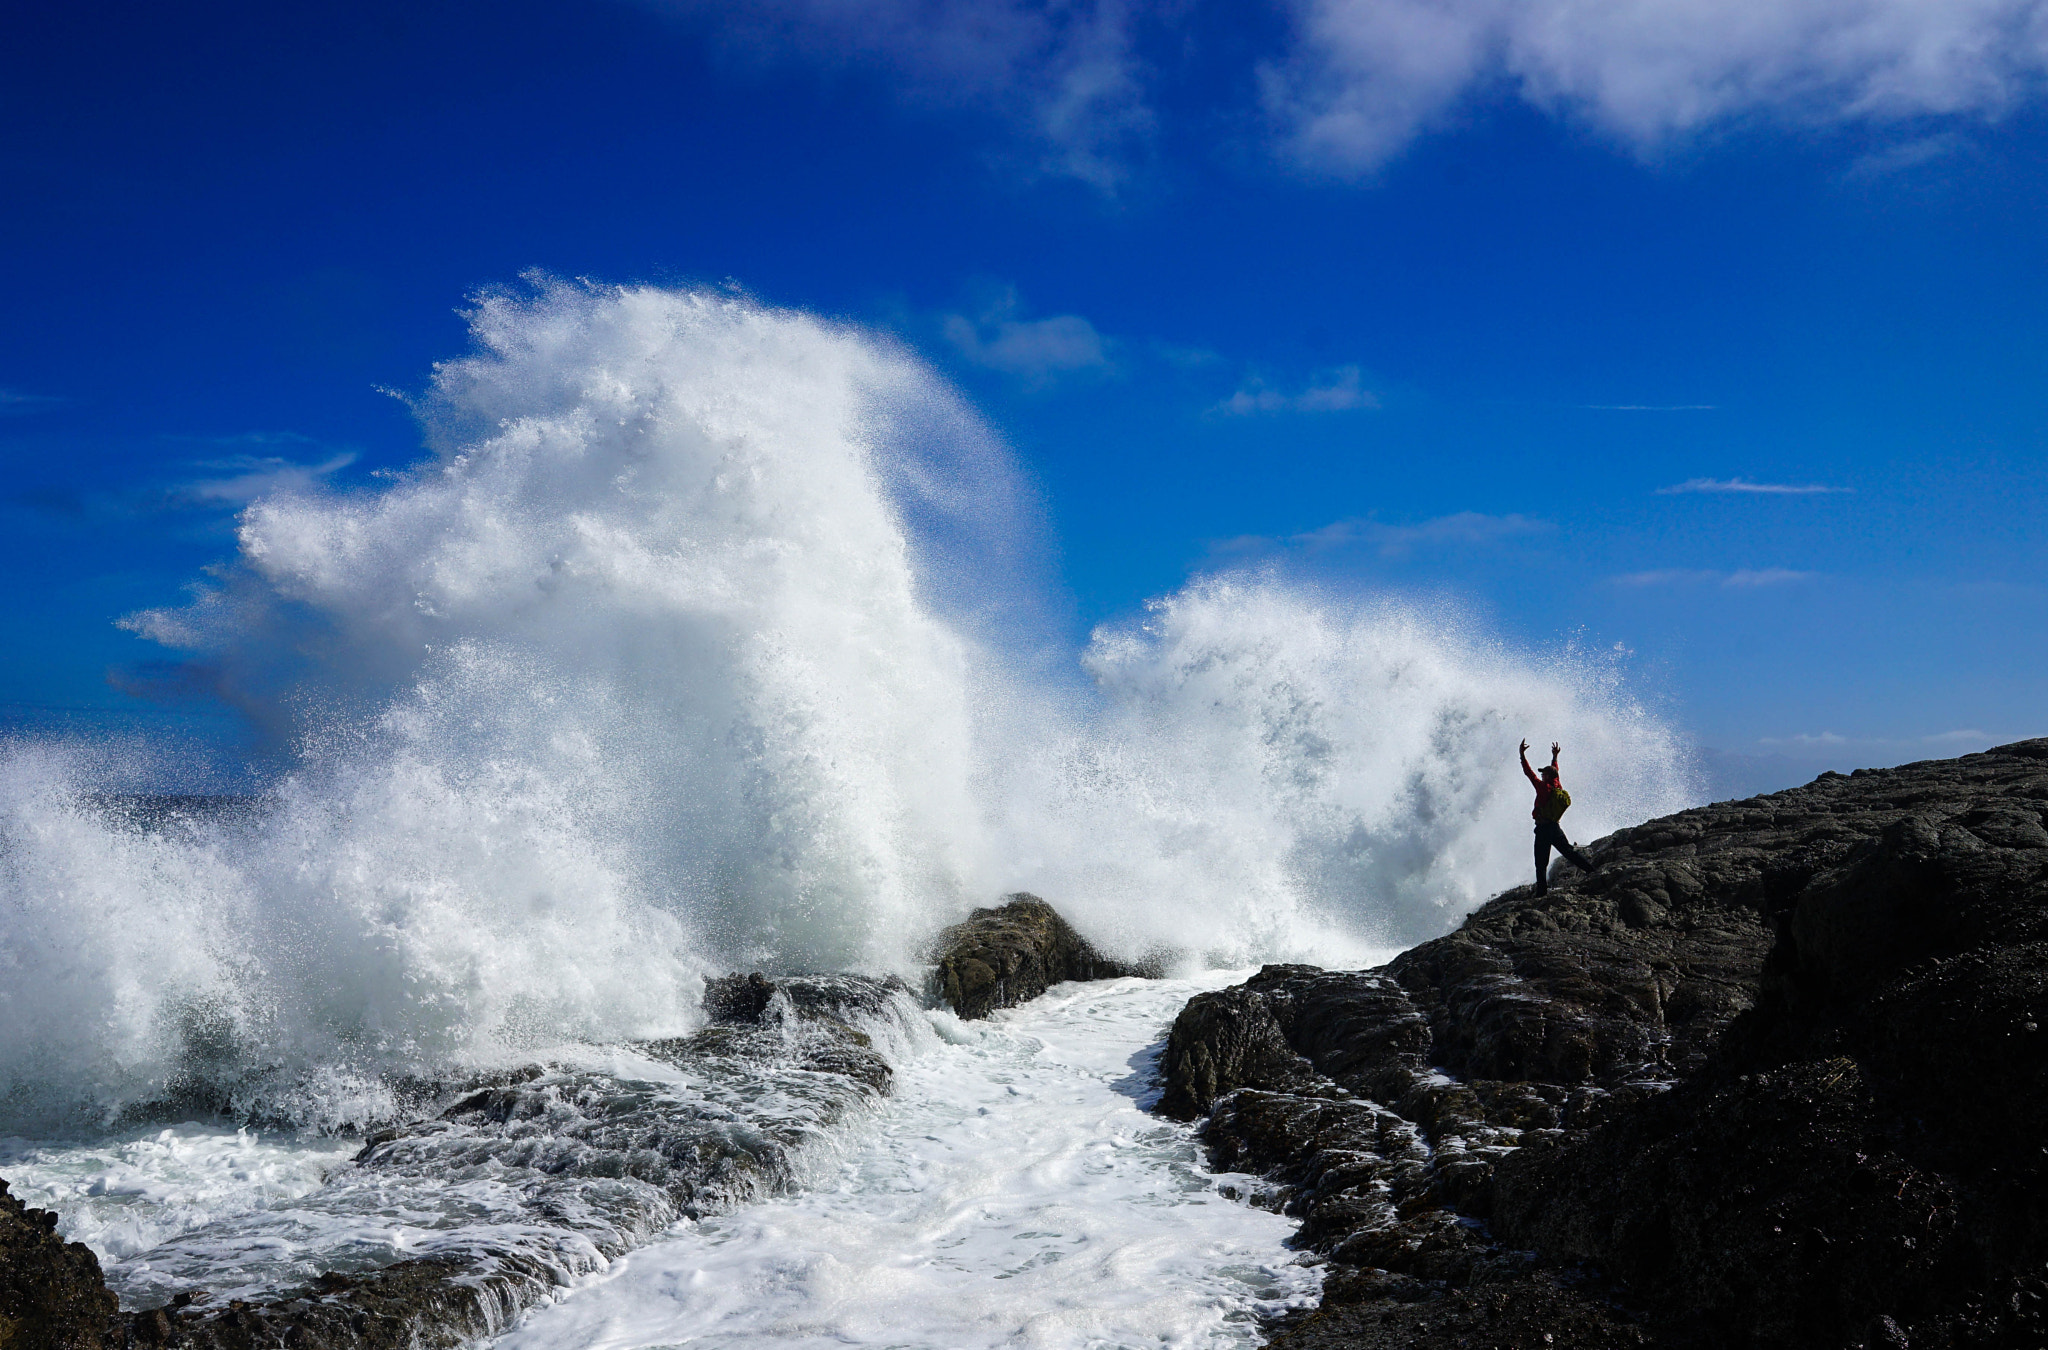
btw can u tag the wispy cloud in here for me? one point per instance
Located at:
(1186, 358)
(14, 403)
(1034, 350)
(241, 477)
(1744, 485)
(254, 465)
(1064, 73)
(1766, 576)
(245, 479)
(1347, 85)
(1804, 739)
(1742, 578)
(1893, 160)
(1998, 589)
(1464, 529)
(1339, 390)
(1950, 739)
(1667, 576)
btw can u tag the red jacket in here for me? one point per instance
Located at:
(1543, 789)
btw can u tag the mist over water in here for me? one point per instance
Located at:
(710, 636)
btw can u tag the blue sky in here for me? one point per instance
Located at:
(1718, 332)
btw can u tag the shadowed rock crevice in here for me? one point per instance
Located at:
(1772, 1076)
(997, 958)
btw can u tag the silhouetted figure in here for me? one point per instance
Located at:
(1551, 803)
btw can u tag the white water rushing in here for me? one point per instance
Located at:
(1014, 1191)
(710, 637)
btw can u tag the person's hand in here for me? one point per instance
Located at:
(1553, 749)
(1525, 747)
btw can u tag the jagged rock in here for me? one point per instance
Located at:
(1772, 1076)
(52, 1296)
(737, 998)
(427, 1304)
(1372, 1310)
(1000, 957)
(1862, 1163)
(586, 1162)
(1222, 1042)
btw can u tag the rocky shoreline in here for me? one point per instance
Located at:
(559, 1168)
(1772, 1076)
(585, 1165)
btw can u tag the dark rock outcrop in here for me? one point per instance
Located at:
(561, 1166)
(434, 1303)
(51, 1294)
(999, 957)
(738, 998)
(1772, 1076)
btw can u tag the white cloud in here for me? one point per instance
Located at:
(1954, 737)
(1340, 390)
(1062, 68)
(1034, 350)
(1744, 485)
(1367, 76)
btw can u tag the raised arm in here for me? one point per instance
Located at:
(1553, 754)
(1525, 766)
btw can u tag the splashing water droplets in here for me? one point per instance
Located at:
(695, 645)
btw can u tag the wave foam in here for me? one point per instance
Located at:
(697, 645)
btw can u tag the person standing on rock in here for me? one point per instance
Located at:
(1551, 803)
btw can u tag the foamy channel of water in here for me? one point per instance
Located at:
(1013, 1191)
(124, 1195)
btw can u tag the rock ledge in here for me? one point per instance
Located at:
(1772, 1076)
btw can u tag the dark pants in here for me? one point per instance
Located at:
(1549, 835)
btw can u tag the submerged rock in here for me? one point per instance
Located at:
(1000, 957)
(1772, 1076)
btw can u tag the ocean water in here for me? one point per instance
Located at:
(1013, 1192)
(134, 1190)
(708, 636)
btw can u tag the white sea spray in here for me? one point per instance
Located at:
(710, 636)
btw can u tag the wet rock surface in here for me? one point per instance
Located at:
(512, 1187)
(1000, 957)
(1774, 1075)
(51, 1294)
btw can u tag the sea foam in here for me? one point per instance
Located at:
(711, 635)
